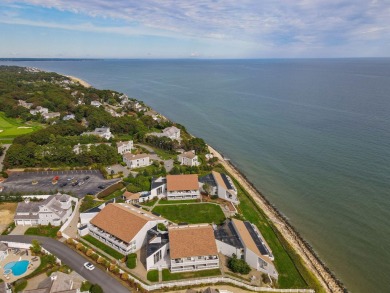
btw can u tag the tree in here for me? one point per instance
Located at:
(35, 246)
(96, 289)
(207, 188)
(238, 265)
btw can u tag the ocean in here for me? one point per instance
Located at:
(312, 134)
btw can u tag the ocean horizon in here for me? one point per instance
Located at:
(313, 135)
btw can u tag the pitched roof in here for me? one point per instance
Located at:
(196, 240)
(130, 156)
(248, 240)
(123, 221)
(130, 195)
(218, 178)
(189, 155)
(182, 182)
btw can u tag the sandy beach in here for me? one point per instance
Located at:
(312, 262)
(80, 81)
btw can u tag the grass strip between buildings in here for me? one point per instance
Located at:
(111, 251)
(191, 213)
(152, 276)
(47, 231)
(168, 276)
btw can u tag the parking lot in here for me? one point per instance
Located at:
(76, 182)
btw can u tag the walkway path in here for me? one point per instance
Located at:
(3, 156)
(71, 230)
(74, 260)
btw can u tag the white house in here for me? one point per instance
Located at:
(123, 227)
(170, 132)
(124, 147)
(182, 187)
(55, 210)
(39, 109)
(103, 132)
(25, 104)
(3, 251)
(192, 248)
(136, 198)
(68, 117)
(159, 187)
(255, 250)
(51, 115)
(188, 159)
(136, 161)
(222, 185)
(96, 104)
(157, 250)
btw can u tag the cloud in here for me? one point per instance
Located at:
(273, 24)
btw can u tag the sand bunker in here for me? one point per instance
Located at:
(24, 127)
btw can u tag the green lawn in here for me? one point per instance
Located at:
(148, 203)
(192, 213)
(292, 272)
(168, 276)
(177, 201)
(11, 128)
(111, 251)
(152, 276)
(48, 231)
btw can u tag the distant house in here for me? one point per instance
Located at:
(3, 251)
(192, 248)
(123, 227)
(138, 197)
(40, 110)
(182, 187)
(25, 104)
(96, 104)
(124, 147)
(59, 282)
(103, 132)
(136, 161)
(68, 117)
(245, 241)
(54, 210)
(188, 159)
(51, 115)
(222, 185)
(170, 132)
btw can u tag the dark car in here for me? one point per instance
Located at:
(75, 183)
(101, 186)
(63, 184)
(86, 178)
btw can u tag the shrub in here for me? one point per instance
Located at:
(85, 286)
(131, 262)
(101, 260)
(161, 227)
(70, 241)
(35, 247)
(94, 256)
(59, 234)
(124, 276)
(238, 265)
(112, 267)
(89, 252)
(79, 246)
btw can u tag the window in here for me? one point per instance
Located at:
(157, 256)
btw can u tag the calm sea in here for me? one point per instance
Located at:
(313, 135)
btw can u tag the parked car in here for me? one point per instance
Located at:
(89, 266)
(86, 178)
(101, 186)
(63, 184)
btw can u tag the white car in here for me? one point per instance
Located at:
(89, 266)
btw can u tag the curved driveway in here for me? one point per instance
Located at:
(74, 260)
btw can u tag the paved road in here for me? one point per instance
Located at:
(75, 261)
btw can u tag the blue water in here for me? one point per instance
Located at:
(312, 135)
(18, 267)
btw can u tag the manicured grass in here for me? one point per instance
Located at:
(177, 201)
(149, 203)
(292, 271)
(192, 213)
(48, 231)
(89, 202)
(11, 128)
(20, 285)
(111, 251)
(168, 276)
(113, 195)
(152, 276)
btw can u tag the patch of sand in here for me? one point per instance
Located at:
(80, 81)
(1, 130)
(7, 212)
(24, 127)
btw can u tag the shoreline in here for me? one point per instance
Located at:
(312, 262)
(79, 80)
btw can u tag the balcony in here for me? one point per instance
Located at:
(109, 239)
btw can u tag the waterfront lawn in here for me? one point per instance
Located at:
(191, 213)
(111, 251)
(47, 231)
(10, 127)
(292, 272)
(164, 201)
(168, 276)
(152, 276)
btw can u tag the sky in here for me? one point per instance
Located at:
(194, 28)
